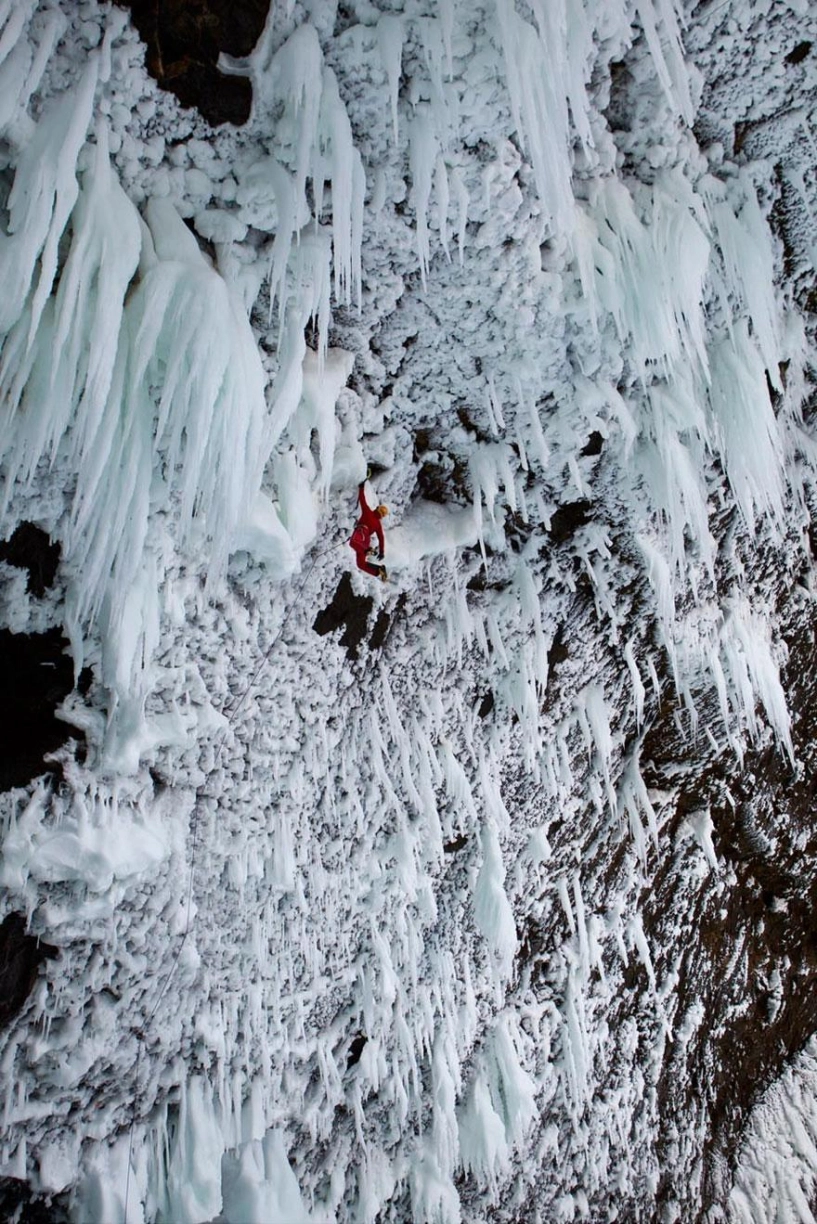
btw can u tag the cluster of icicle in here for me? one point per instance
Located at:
(125, 352)
(125, 357)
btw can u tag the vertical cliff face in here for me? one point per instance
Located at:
(485, 892)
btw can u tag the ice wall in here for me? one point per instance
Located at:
(351, 936)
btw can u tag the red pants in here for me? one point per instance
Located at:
(362, 563)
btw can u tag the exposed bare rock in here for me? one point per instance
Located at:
(184, 40)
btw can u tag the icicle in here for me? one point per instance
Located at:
(115, 24)
(492, 799)
(358, 202)
(652, 279)
(660, 578)
(584, 243)
(14, 73)
(390, 42)
(426, 763)
(699, 822)
(212, 380)
(673, 75)
(433, 1193)
(673, 470)
(15, 21)
(748, 261)
(595, 724)
(584, 965)
(516, 1089)
(444, 102)
(180, 331)
(441, 191)
(422, 156)
(286, 206)
(497, 417)
(576, 1056)
(461, 196)
(456, 782)
(321, 386)
(746, 429)
(295, 75)
(533, 60)
(447, 8)
(579, 60)
(564, 897)
(348, 187)
(635, 930)
(92, 292)
(260, 1184)
(754, 674)
(486, 465)
(444, 1124)
(40, 202)
(492, 910)
(194, 1177)
(483, 1144)
(633, 801)
(639, 692)
(310, 295)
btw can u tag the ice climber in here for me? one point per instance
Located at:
(368, 526)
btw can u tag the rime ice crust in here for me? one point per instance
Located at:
(457, 242)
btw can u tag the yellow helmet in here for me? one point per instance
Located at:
(382, 510)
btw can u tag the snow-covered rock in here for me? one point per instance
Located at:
(505, 909)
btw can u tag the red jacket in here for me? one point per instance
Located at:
(367, 525)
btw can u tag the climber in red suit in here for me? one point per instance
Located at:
(367, 526)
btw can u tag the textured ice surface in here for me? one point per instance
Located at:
(369, 940)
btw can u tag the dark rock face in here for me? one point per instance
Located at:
(184, 40)
(31, 548)
(17, 1203)
(380, 631)
(750, 959)
(567, 520)
(798, 53)
(20, 958)
(355, 1050)
(385, 622)
(348, 610)
(35, 675)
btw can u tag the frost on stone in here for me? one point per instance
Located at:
(357, 895)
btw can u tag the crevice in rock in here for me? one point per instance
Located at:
(20, 958)
(456, 844)
(356, 1049)
(798, 53)
(184, 40)
(30, 548)
(36, 674)
(567, 519)
(19, 1204)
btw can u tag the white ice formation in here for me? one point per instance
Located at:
(348, 939)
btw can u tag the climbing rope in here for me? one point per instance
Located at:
(230, 713)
